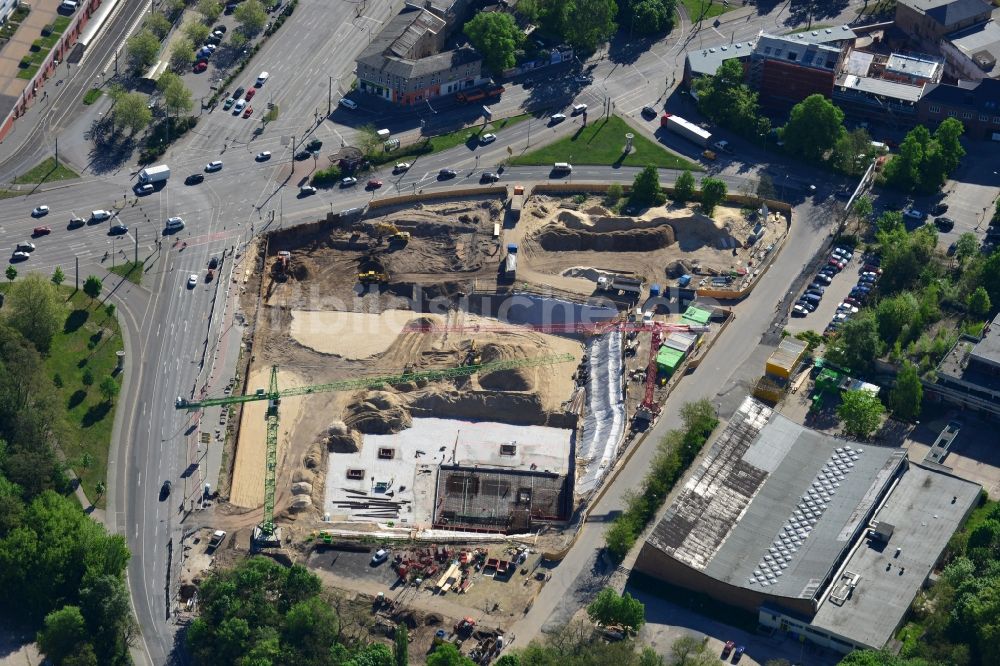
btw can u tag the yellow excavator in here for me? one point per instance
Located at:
(387, 229)
(372, 277)
(473, 356)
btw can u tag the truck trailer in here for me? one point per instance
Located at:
(154, 174)
(516, 202)
(686, 129)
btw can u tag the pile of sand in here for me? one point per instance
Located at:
(350, 335)
(514, 379)
(555, 239)
(338, 438)
(378, 413)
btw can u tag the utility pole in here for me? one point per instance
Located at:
(77, 273)
(329, 98)
(136, 260)
(57, 151)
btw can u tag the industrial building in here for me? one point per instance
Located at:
(821, 538)
(969, 376)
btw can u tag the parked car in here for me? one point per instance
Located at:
(373, 184)
(263, 156)
(444, 174)
(238, 92)
(940, 208)
(648, 112)
(728, 648)
(814, 292)
(798, 310)
(380, 556)
(348, 103)
(20, 256)
(348, 181)
(823, 278)
(914, 214)
(118, 230)
(807, 304)
(238, 107)
(250, 94)
(40, 211)
(739, 654)
(303, 155)
(306, 190)
(75, 222)
(144, 188)
(194, 179)
(487, 139)
(853, 301)
(579, 108)
(192, 281)
(248, 112)
(840, 317)
(843, 252)
(314, 145)
(165, 490)
(848, 308)
(25, 247)
(262, 79)
(213, 166)
(200, 66)
(944, 223)
(41, 231)
(228, 103)
(556, 118)
(817, 287)
(837, 263)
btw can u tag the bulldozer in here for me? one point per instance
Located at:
(372, 277)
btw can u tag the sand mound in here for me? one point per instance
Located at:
(302, 488)
(350, 335)
(514, 379)
(380, 413)
(338, 438)
(301, 503)
(555, 239)
(698, 231)
(515, 408)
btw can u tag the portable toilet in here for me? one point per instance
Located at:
(654, 290)
(512, 248)
(684, 281)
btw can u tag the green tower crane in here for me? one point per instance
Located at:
(273, 395)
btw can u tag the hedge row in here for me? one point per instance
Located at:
(673, 456)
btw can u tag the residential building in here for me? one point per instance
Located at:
(969, 376)
(785, 70)
(928, 21)
(706, 62)
(884, 88)
(826, 541)
(404, 62)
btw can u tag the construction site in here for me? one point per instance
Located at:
(448, 373)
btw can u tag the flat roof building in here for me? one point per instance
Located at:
(930, 20)
(786, 70)
(974, 53)
(777, 513)
(969, 376)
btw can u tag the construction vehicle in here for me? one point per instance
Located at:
(473, 356)
(283, 261)
(517, 202)
(399, 238)
(372, 277)
(265, 533)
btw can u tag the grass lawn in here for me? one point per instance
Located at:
(711, 8)
(60, 23)
(88, 341)
(27, 73)
(92, 95)
(601, 142)
(130, 270)
(445, 141)
(47, 170)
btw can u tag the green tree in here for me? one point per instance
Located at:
(109, 389)
(11, 273)
(251, 16)
(369, 142)
(182, 53)
(158, 24)
(93, 286)
(87, 377)
(903, 171)
(401, 645)
(36, 310)
(852, 152)
(620, 537)
(857, 345)
(890, 221)
(908, 393)
(497, 37)
(861, 412)
(210, 9)
(447, 654)
(64, 630)
(951, 151)
(979, 303)
(610, 608)
(689, 651)
(613, 195)
(646, 190)
(966, 247)
(727, 100)
(141, 50)
(58, 276)
(507, 660)
(897, 314)
(813, 127)
(713, 192)
(104, 602)
(197, 32)
(684, 187)
(176, 96)
(862, 208)
(648, 17)
(589, 22)
(131, 112)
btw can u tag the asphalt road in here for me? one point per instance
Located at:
(168, 326)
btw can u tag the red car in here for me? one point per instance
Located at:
(250, 94)
(374, 184)
(248, 112)
(200, 66)
(730, 645)
(41, 231)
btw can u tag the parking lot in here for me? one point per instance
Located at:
(834, 294)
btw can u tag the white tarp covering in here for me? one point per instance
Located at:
(604, 424)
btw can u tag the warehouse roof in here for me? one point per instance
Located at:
(924, 509)
(987, 350)
(774, 504)
(706, 61)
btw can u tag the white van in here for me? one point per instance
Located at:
(100, 215)
(69, 5)
(262, 79)
(579, 108)
(562, 167)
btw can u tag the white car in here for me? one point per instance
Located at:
(262, 79)
(487, 138)
(192, 280)
(213, 166)
(239, 106)
(175, 223)
(914, 214)
(380, 556)
(19, 256)
(306, 190)
(144, 188)
(401, 167)
(25, 247)
(579, 108)
(40, 211)
(263, 156)
(840, 317)
(347, 182)
(557, 118)
(348, 103)
(847, 308)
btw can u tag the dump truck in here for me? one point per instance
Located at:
(510, 266)
(686, 129)
(154, 174)
(516, 202)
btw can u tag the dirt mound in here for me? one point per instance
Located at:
(514, 379)
(604, 223)
(302, 488)
(338, 438)
(698, 231)
(515, 408)
(675, 269)
(555, 239)
(379, 413)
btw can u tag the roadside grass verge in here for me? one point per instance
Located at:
(674, 455)
(45, 171)
(84, 349)
(92, 96)
(601, 142)
(436, 144)
(130, 270)
(705, 9)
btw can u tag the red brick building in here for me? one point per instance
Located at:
(785, 70)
